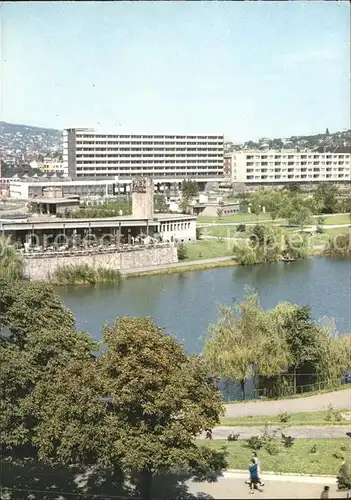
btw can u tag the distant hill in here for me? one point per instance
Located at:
(20, 143)
(15, 128)
(327, 141)
(17, 142)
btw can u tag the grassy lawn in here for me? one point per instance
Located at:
(233, 218)
(222, 231)
(300, 458)
(295, 419)
(208, 249)
(337, 219)
(320, 238)
(338, 230)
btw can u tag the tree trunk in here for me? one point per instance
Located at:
(145, 484)
(242, 386)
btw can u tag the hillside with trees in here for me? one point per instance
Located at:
(327, 141)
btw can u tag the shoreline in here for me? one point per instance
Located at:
(197, 265)
(192, 266)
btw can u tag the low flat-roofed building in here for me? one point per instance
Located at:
(28, 188)
(55, 206)
(46, 230)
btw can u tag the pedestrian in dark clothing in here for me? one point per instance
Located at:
(254, 479)
(255, 457)
(343, 476)
(325, 493)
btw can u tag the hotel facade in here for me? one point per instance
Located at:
(89, 154)
(282, 167)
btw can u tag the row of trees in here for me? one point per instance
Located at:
(295, 207)
(269, 244)
(129, 407)
(282, 346)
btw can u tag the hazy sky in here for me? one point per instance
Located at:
(245, 69)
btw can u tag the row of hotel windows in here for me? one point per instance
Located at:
(97, 136)
(83, 148)
(190, 173)
(178, 226)
(150, 155)
(104, 143)
(149, 169)
(315, 169)
(134, 162)
(335, 162)
(302, 176)
(291, 157)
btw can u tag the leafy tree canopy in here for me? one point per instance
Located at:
(157, 401)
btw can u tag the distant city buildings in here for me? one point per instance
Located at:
(21, 144)
(286, 166)
(91, 154)
(49, 166)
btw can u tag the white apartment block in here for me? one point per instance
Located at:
(282, 167)
(88, 153)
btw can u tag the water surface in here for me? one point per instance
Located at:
(186, 303)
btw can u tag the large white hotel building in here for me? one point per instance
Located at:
(89, 154)
(282, 167)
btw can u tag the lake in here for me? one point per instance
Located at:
(186, 303)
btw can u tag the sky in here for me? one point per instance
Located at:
(245, 69)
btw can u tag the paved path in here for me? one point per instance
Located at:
(232, 485)
(182, 263)
(302, 432)
(339, 400)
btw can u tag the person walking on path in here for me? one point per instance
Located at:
(325, 493)
(254, 479)
(257, 461)
(343, 476)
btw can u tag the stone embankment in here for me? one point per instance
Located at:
(41, 267)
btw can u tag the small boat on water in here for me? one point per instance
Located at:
(288, 259)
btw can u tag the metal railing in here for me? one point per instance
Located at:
(286, 390)
(93, 250)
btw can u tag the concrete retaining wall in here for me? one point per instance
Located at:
(40, 268)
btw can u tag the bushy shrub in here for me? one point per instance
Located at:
(283, 417)
(313, 449)
(233, 437)
(288, 441)
(272, 447)
(182, 252)
(83, 274)
(255, 442)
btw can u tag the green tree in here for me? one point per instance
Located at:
(301, 335)
(263, 245)
(189, 189)
(11, 261)
(274, 203)
(326, 195)
(298, 214)
(160, 203)
(240, 344)
(256, 206)
(182, 252)
(339, 245)
(159, 401)
(334, 353)
(38, 335)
